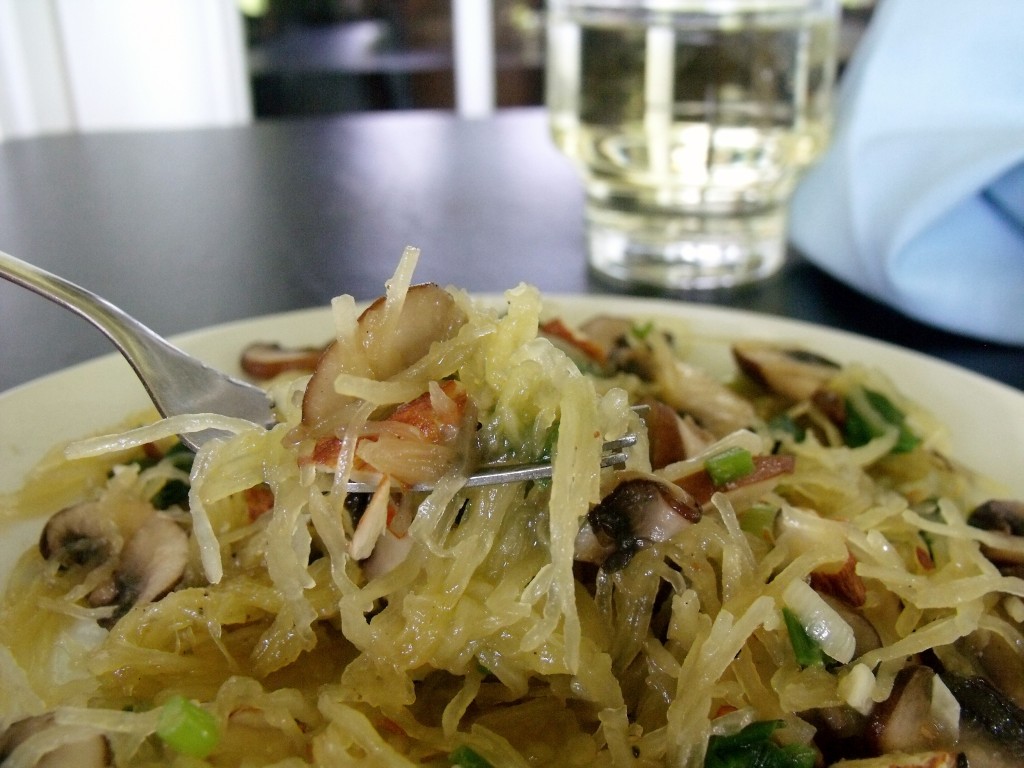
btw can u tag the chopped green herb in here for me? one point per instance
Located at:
(860, 428)
(643, 331)
(173, 493)
(785, 424)
(550, 443)
(466, 757)
(759, 519)
(805, 648)
(729, 465)
(929, 510)
(187, 728)
(753, 747)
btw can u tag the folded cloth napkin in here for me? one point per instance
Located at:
(919, 200)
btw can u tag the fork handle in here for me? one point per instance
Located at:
(131, 337)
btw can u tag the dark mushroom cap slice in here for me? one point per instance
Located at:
(1005, 516)
(78, 535)
(986, 710)
(637, 510)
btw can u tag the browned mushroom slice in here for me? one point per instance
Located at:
(793, 373)
(638, 511)
(586, 354)
(622, 348)
(714, 405)
(264, 360)
(152, 563)
(686, 388)
(672, 437)
(86, 752)
(1004, 516)
(607, 332)
(908, 721)
(429, 314)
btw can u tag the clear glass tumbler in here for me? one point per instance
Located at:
(690, 122)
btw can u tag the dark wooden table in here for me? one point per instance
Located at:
(186, 229)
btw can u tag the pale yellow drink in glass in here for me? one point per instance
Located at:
(690, 123)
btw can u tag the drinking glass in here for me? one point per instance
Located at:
(690, 122)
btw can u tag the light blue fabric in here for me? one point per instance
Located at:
(919, 200)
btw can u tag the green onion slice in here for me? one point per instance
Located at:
(805, 648)
(729, 465)
(466, 757)
(187, 728)
(753, 747)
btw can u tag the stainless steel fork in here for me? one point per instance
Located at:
(176, 382)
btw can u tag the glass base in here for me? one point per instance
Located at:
(685, 252)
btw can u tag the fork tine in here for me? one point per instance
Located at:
(497, 474)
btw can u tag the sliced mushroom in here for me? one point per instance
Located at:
(638, 510)
(838, 731)
(909, 720)
(586, 354)
(429, 314)
(152, 563)
(608, 332)
(987, 715)
(791, 372)
(1004, 516)
(672, 437)
(1000, 662)
(87, 752)
(77, 535)
(686, 388)
(86, 535)
(713, 404)
(265, 360)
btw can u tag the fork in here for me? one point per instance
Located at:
(178, 383)
(613, 453)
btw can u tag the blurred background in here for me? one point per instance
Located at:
(328, 56)
(90, 65)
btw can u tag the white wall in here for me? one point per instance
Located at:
(473, 41)
(101, 65)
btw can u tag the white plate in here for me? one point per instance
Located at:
(985, 418)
